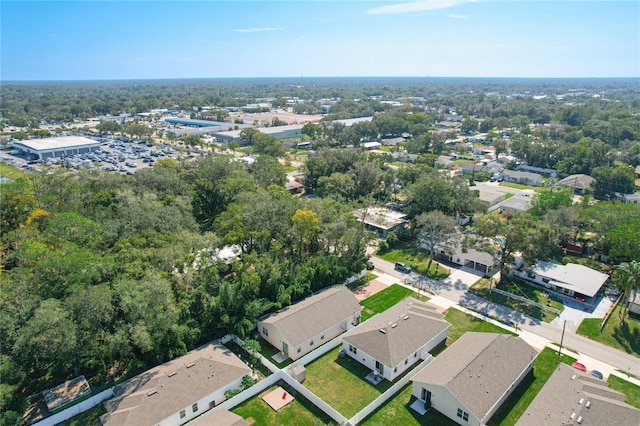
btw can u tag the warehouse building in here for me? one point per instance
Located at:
(56, 147)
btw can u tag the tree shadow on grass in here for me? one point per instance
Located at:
(627, 338)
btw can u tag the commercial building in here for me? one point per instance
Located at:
(63, 146)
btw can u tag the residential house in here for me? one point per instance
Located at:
(580, 183)
(468, 257)
(369, 146)
(571, 279)
(525, 178)
(404, 156)
(637, 170)
(177, 391)
(392, 141)
(445, 162)
(634, 302)
(518, 203)
(294, 187)
(472, 378)
(571, 397)
(300, 328)
(381, 220)
(393, 341)
(629, 198)
(219, 417)
(541, 170)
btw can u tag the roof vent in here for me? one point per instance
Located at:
(394, 325)
(573, 415)
(191, 364)
(579, 420)
(152, 392)
(588, 404)
(171, 373)
(406, 317)
(383, 331)
(581, 401)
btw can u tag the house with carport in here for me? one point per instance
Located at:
(177, 391)
(300, 328)
(524, 178)
(393, 341)
(572, 280)
(472, 378)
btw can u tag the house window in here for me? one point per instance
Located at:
(353, 349)
(322, 337)
(415, 355)
(265, 331)
(194, 407)
(311, 343)
(183, 413)
(406, 361)
(463, 415)
(299, 349)
(395, 370)
(545, 280)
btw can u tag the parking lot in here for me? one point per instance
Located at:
(116, 154)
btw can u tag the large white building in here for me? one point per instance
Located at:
(57, 147)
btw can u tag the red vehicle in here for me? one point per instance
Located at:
(579, 366)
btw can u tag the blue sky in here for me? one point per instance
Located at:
(85, 40)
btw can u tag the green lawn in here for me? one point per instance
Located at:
(520, 186)
(299, 412)
(340, 382)
(461, 323)
(520, 288)
(415, 257)
(625, 337)
(385, 299)
(517, 403)
(11, 172)
(629, 389)
(397, 412)
(267, 350)
(88, 418)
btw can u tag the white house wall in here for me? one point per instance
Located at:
(204, 404)
(445, 402)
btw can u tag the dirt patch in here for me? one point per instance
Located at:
(368, 289)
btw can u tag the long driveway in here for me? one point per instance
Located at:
(455, 287)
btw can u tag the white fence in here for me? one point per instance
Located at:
(525, 300)
(314, 399)
(80, 407)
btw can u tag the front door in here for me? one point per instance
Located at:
(426, 397)
(285, 348)
(380, 367)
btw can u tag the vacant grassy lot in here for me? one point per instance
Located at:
(415, 257)
(461, 323)
(340, 382)
(519, 288)
(385, 299)
(517, 403)
(298, 412)
(629, 389)
(397, 412)
(625, 336)
(11, 172)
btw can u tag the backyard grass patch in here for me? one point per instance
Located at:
(89, 417)
(625, 336)
(520, 186)
(340, 382)
(362, 281)
(631, 391)
(461, 323)
(415, 257)
(385, 299)
(397, 412)
(268, 351)
(514, 407)
(298, 412)
(520, 288)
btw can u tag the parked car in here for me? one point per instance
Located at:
(579, 366)
(402, 267)
(370, 265)
(597, 374)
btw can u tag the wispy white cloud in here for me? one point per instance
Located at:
(457, 16)
(257, 30)
(412, 7)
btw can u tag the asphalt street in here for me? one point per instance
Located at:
(454, 288)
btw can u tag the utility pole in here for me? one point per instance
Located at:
(562, 340)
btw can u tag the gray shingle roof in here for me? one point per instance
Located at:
(579, 181)
(164, 390)
(560, 397)
(313, 315)
(479, 368)
(421, 325)
(220, 417)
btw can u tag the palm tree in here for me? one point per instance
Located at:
(627, 279)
